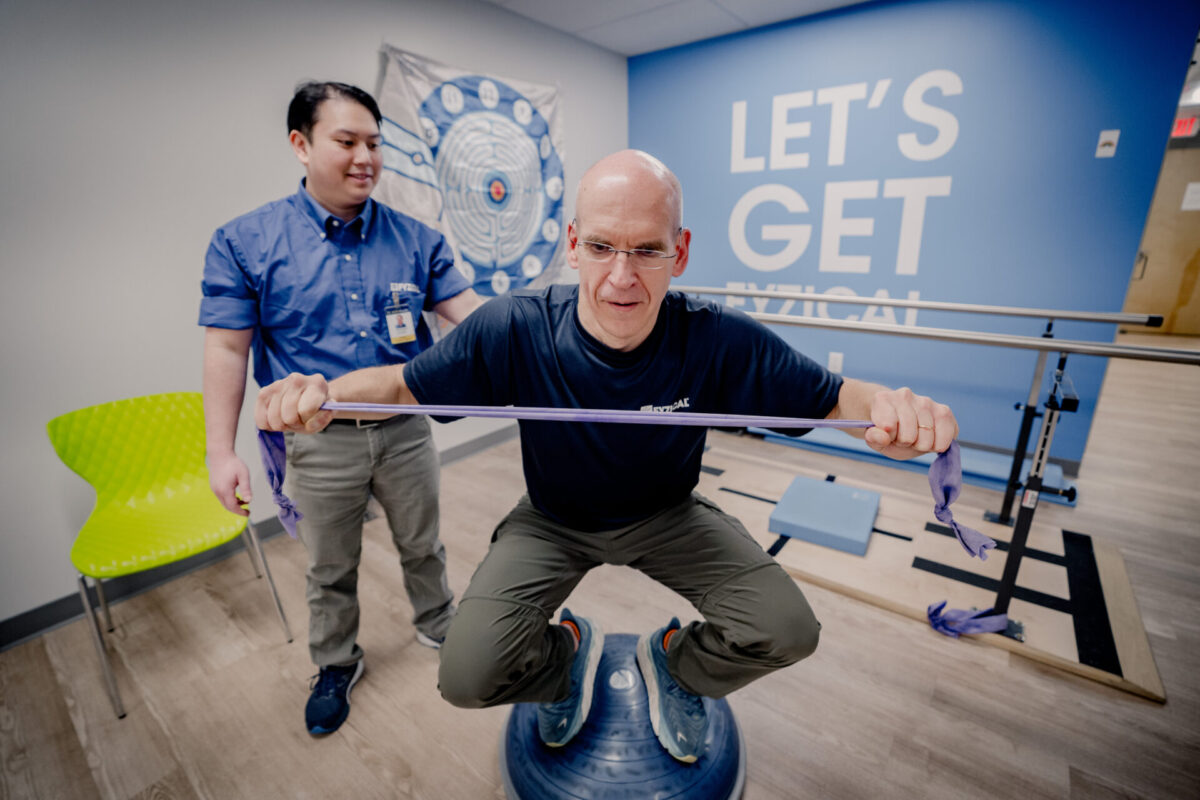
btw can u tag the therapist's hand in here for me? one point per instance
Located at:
(230, 481)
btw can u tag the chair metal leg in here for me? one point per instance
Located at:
(98, 640)
(262, 559)
(108, 626)
(250, 551)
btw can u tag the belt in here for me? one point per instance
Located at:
(370, 423)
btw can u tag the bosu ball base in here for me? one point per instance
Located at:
(616, 754)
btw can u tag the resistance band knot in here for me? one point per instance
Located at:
(273, 448)
(945, 481)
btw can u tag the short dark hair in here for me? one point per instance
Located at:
(302, 111)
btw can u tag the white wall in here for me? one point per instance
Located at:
(129, 130)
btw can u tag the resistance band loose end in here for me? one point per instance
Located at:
(273, 448)
(945, 481)
(956, 622)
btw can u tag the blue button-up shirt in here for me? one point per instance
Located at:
(318, 290)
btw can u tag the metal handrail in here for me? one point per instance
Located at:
(1137, 352)
(1118, 317)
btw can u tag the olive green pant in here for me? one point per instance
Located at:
(331, 476)
(501, 647)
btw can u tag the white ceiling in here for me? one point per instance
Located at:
(632, 27)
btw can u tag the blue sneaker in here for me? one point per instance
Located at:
(430, 641)
(329, 704)
(677, 716)
(559, 722)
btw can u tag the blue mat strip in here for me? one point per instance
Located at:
(1001, 546)
(779, 543)
(898, 535)
(992, 585)
(751, 496)
(1093, 629)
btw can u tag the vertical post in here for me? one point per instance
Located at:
(1030, 412)
(1029, 498)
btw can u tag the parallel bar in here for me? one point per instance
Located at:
(1135, 352)
(1119, 317)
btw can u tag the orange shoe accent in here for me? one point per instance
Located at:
(667, 638)
(573, 628)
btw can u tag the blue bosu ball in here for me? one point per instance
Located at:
(616, 754)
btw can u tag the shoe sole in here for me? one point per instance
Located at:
(358, 673)
(589, 682)
(428, 641)
(645, 660)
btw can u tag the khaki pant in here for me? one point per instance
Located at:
(330, 477)
(501, 647)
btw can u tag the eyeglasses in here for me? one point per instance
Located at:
(639, 258)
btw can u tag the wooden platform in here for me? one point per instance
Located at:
(1073, 596)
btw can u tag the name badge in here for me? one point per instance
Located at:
(400, 322)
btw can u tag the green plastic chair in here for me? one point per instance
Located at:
(145, 458)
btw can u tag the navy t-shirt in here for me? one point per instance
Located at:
(529, 349)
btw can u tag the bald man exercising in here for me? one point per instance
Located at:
(613, 493)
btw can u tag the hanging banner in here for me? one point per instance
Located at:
(480, 158)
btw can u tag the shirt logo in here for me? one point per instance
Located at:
(678, 404)
(405, 287)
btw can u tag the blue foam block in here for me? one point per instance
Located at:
(979, 467)
(826, 513)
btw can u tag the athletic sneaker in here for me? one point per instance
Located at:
(677, 716)
(430, 641)
(329, 704)
(559, 722)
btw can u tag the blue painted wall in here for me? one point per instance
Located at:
(985, 115)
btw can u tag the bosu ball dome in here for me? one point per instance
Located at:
(616, 755)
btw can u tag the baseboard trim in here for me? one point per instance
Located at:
(478, 444)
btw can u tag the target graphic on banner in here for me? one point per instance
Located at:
(501, 180)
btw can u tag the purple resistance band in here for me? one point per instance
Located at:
(945, 481)
(603, 415)
(955, 622)
(274, 453)
(273, 449)
(945, 476)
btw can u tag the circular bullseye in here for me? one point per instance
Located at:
(495, 185)
(616, 754)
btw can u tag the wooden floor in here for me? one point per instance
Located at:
(886, 708)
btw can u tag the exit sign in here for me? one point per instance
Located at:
(1184, 126)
